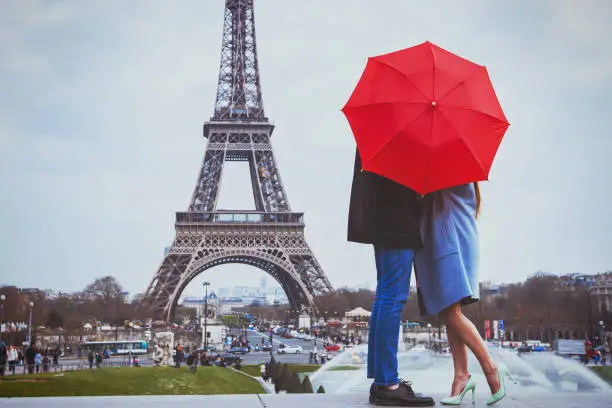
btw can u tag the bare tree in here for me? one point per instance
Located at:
(103, 289)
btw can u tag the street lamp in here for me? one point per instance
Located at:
(601, 338)
(429, 331)
(206, 285)
(119, 297)
(30, 325)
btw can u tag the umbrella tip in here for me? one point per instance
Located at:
(433, 103)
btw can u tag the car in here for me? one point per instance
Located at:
(239, 350)
(266, 347)
(291, 350)
(332, 347)
(229, 357)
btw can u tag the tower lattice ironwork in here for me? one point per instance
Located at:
(271, 237)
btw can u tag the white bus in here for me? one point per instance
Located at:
(115, 347)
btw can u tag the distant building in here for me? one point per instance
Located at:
(245, 291)
(573, 281)
(489, 291)
(263, 285)
(199, 304)
(601, 292)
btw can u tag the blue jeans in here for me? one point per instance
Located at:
(393, 270)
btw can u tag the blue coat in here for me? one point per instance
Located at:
(447, 266)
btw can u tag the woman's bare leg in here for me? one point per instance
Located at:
(460, 361)
(456, 321)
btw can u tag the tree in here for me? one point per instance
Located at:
(54, 320)
(307, 386)
(295, 385)
(103, 289)
(286, 378)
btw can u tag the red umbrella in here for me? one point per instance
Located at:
(426, 118)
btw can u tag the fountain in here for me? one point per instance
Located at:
(432, 373)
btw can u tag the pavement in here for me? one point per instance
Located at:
(573, 400)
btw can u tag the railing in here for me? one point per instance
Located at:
(240, 217)
(25, 369)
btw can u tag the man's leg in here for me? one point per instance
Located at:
(394, 267)
(373, 320)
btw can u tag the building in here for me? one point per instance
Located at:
(572, 281)
(489, 291)
(199, 304)
(601, 293)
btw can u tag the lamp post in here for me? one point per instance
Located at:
(206, 285)
(2, 299)
(429, 331)
(30, 325)
(119, 297)
(601, 337)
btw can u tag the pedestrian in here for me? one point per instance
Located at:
(98, 357)
(30, 358)
(13, 358)
(447, 274)
(3, 358)
(90, 359)
(38, 361)
(56, 356)
(387, 215)
(45, 363)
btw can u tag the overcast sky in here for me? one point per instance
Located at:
(102, 102)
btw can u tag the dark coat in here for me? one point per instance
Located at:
(382, 212)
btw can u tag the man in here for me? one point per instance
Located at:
(387, 215)
(3, 358)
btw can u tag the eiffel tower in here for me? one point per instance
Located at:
(271, 237)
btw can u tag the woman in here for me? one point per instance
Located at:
(447, 276)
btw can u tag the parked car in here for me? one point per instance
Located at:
(229, 357)
(291, 350)
(332, 347)
(266, 347)
(239, 350)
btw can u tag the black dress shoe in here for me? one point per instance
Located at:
(402, 396)
(372, 393)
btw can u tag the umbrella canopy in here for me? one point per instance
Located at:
(426, 118)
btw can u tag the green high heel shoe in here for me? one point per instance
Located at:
(456, 400)
(502, 373)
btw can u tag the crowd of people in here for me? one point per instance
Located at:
(32, 359)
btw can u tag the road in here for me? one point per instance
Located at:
(254, 357)
(258, 357)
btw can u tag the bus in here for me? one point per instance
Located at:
(115, 347)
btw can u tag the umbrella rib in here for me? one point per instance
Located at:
(433, 94)
(458, 85)
(393, 137)
(476, 111)
(427, 98)
(383, 103)
(466, 144)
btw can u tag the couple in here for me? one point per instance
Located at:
(438, 234)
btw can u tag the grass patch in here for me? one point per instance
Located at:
(345, 368)
(604, 372)
(253, 370)
(131, 381)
